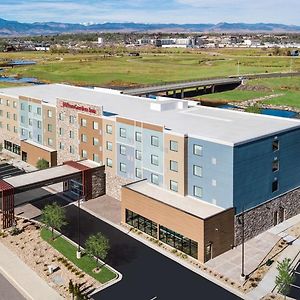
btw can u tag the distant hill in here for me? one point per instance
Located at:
(14, 28)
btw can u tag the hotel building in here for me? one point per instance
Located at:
(184, 174)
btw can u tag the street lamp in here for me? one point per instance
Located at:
(78, 253)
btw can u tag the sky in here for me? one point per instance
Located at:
(152, 11)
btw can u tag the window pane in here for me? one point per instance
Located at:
(197, 150)
(138, 136)
(173, 146)
(275, 145)
(123, 132)
(174, 165)
(154, 141)
(197, 170)
(173, 186)
(154, 160)
(197, 191)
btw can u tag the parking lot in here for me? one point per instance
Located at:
(295, 287)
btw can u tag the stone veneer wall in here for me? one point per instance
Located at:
(98, 183)
(114, 184)
(261, 218)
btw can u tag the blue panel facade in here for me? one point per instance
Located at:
(216, 181)
(127, 159)
(253, 173)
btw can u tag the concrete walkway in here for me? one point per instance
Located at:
(24, 279)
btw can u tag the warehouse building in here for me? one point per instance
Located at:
(188, 173)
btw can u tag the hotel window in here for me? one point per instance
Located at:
(7, 103)
(30, 134)
(50, 142)
(123, 132)
(8, 115)
(275, 186)
(96, 158)
(198, 191)
(14, 104)
(39, 124)
(154, 179)
(15, 129)
(275, 165)
(71, 119)
(138, 155)
(138, 136)
(39, 138)
(197, 170)
(275, 145)
(1, 113)
(197, 150)
(84, 138)
(174, 146)
(22, 106)
(72, 149)
(109, 129)
(95, 141)
(123, 167)
(61, 117)
(109, 146)
(50, 127)
(30, 122)
(83, 122)
(23, 119)
(61, 131)
(138, 173)
(154, 141)
(29, 108)
(15, 117)
(154, 160)
(83, 153)
(122, 150)
(173, 186)
(38, 110)
(95, 125)
(49, 112)
(61, 146)
(173, 165)
(23, 132)
(71, 134)
(7, 127)
(109, 162)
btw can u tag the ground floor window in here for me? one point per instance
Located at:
(76, 188)
(141, 223)
(12, 147)
(178, 241)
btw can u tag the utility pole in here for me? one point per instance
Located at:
(238, 68)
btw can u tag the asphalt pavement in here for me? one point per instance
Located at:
(147, 274)
(7, 291)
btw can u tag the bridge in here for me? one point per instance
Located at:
(171, 90)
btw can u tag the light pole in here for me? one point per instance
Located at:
(78, 253)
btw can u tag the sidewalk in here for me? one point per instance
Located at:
(24, 279)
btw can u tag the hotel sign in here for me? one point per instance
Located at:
(79, 107)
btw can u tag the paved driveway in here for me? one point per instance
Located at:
(147, 274)
(7, 291)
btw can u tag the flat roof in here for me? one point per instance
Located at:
(46, 148)
(195, 207)
(46, 174)
(207, 123)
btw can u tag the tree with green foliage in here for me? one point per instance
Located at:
(253, 109)
(53, 216)
(42, 164)
(97, 245)
(285, 276)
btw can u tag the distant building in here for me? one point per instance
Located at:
(100, 41)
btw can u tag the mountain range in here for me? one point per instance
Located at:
(14, 28)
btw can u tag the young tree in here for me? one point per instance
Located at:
(42, 164)
(53, 216)
(71, 288)
(285, 276)
(97, 245)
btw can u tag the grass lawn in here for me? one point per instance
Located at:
(290, 98)
(148, 68)
(9, 84)
(233, 96)
(86, 264)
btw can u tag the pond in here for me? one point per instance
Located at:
(268, 111)
(20, 80)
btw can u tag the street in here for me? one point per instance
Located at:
(147, 274)
(8, 292)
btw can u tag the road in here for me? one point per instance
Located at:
(147, 274)
(7, 291)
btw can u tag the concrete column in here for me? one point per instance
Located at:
(204, 90)
(213, 88)
(182, 94)
(174, 94)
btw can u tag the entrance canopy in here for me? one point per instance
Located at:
(85, 172)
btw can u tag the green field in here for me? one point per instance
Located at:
(149, 68)
(86, 264)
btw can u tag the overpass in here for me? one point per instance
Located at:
(172, 88)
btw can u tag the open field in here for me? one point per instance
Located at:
(289, 87)
(149, 68)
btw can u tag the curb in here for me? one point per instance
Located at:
(165, 253)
